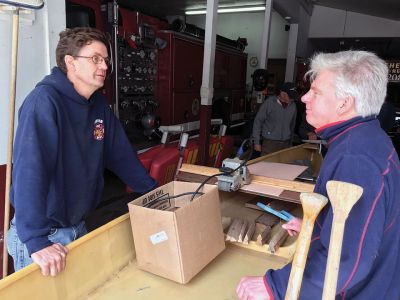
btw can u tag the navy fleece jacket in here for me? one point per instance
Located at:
(62, 146)
(359, 152)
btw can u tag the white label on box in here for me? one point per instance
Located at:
(158, 237)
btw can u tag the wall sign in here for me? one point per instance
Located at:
(394, 70)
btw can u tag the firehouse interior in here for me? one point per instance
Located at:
(155, 89)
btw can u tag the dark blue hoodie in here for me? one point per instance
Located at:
(359, 152)
(62, 146)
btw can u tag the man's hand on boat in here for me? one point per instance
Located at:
(51, 259)
(257, 148)
(251, 287)
(293, 226)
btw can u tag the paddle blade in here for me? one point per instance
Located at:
(343, 195)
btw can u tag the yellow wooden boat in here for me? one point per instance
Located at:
(102, 264)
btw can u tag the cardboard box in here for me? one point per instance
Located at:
(176, 238)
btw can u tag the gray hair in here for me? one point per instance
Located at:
(360, 74)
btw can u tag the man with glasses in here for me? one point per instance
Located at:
(67, 135)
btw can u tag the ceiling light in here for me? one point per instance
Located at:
(227, 10)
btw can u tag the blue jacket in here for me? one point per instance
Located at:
(62, 146)
(359, 152)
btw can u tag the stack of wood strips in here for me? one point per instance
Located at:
(259, 230)
(240, 231)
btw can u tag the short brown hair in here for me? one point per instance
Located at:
(73, 40)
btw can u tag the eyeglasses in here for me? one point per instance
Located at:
(97, 59)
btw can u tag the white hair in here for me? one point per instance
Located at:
(360, 74)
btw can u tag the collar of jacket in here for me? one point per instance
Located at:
(331, 133)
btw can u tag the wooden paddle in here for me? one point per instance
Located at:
(312, 204)
(11, 114)
(342, 196)
(15, 7)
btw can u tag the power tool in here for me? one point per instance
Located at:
(236, 174)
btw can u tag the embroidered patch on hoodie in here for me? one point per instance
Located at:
(98, 131)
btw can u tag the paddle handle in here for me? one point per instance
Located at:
(312, 204)
(299, 260)
(332, 266)
(11, 114)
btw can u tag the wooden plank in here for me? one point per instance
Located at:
(273, 182)
(267, 219)
(249, 233)
(234, 230)
(289, 196)
(284, 184)
(243, 231)
(191, 177)
(201, 170)
(276, 170)
(278, 239)
(260, 189)
(262, 236)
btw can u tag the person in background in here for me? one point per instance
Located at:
(67, 135)
(347, 91)
(275, 121)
